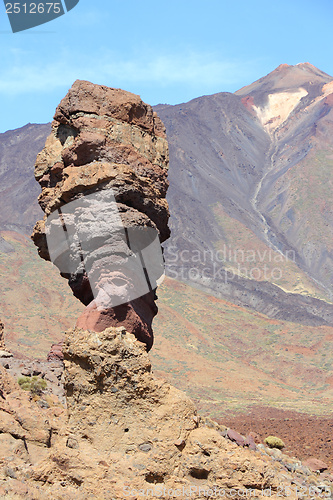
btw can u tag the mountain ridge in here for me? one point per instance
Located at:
(286, 74)
(222, 166)
(229, 158)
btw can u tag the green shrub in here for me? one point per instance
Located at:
(33, 384)
(274, 442)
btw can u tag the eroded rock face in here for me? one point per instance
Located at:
(103, 173)
(27, 427)
(126, 432)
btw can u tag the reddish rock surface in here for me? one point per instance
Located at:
(305, 436)
(136, 316)
(250, 442)
(236, 437)
(248, 102)
(55, 353)
(315, 464)
(106, 147)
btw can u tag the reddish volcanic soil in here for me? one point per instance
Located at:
(304, 435)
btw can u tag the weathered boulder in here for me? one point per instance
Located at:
(236, 437)
(103, 173)
(55, 353)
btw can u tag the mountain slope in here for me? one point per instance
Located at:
(18, 188)
(250, 192)
(295, 194)
(223, 355)
(251, 176)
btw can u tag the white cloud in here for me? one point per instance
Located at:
(189, 69)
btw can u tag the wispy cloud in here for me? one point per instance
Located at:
(190, 69)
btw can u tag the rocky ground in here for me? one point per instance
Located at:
(50, 371)
(127, 434)
(304, 435)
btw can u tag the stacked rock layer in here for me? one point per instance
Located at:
(105, 144)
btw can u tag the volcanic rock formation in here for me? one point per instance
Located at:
(103, 173)
(129, 435)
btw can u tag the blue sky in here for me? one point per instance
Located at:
(167, 52)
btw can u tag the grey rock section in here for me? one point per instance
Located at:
(5, 247)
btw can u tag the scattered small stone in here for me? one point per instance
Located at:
(262, 448)
(274, 452)
(302, 470)
(255, 437)
(145, 447)
(51, 378)
(180, 443)
(289, 466)
(5, 354)
(103, 463)
(72, 443)
(223, 431)
(250, 442)
(43, 404)
(10, 473)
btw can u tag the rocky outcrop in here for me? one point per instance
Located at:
(28, 423)
(103, 173)
(55, 353)
(131, 435)
(4, 353)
